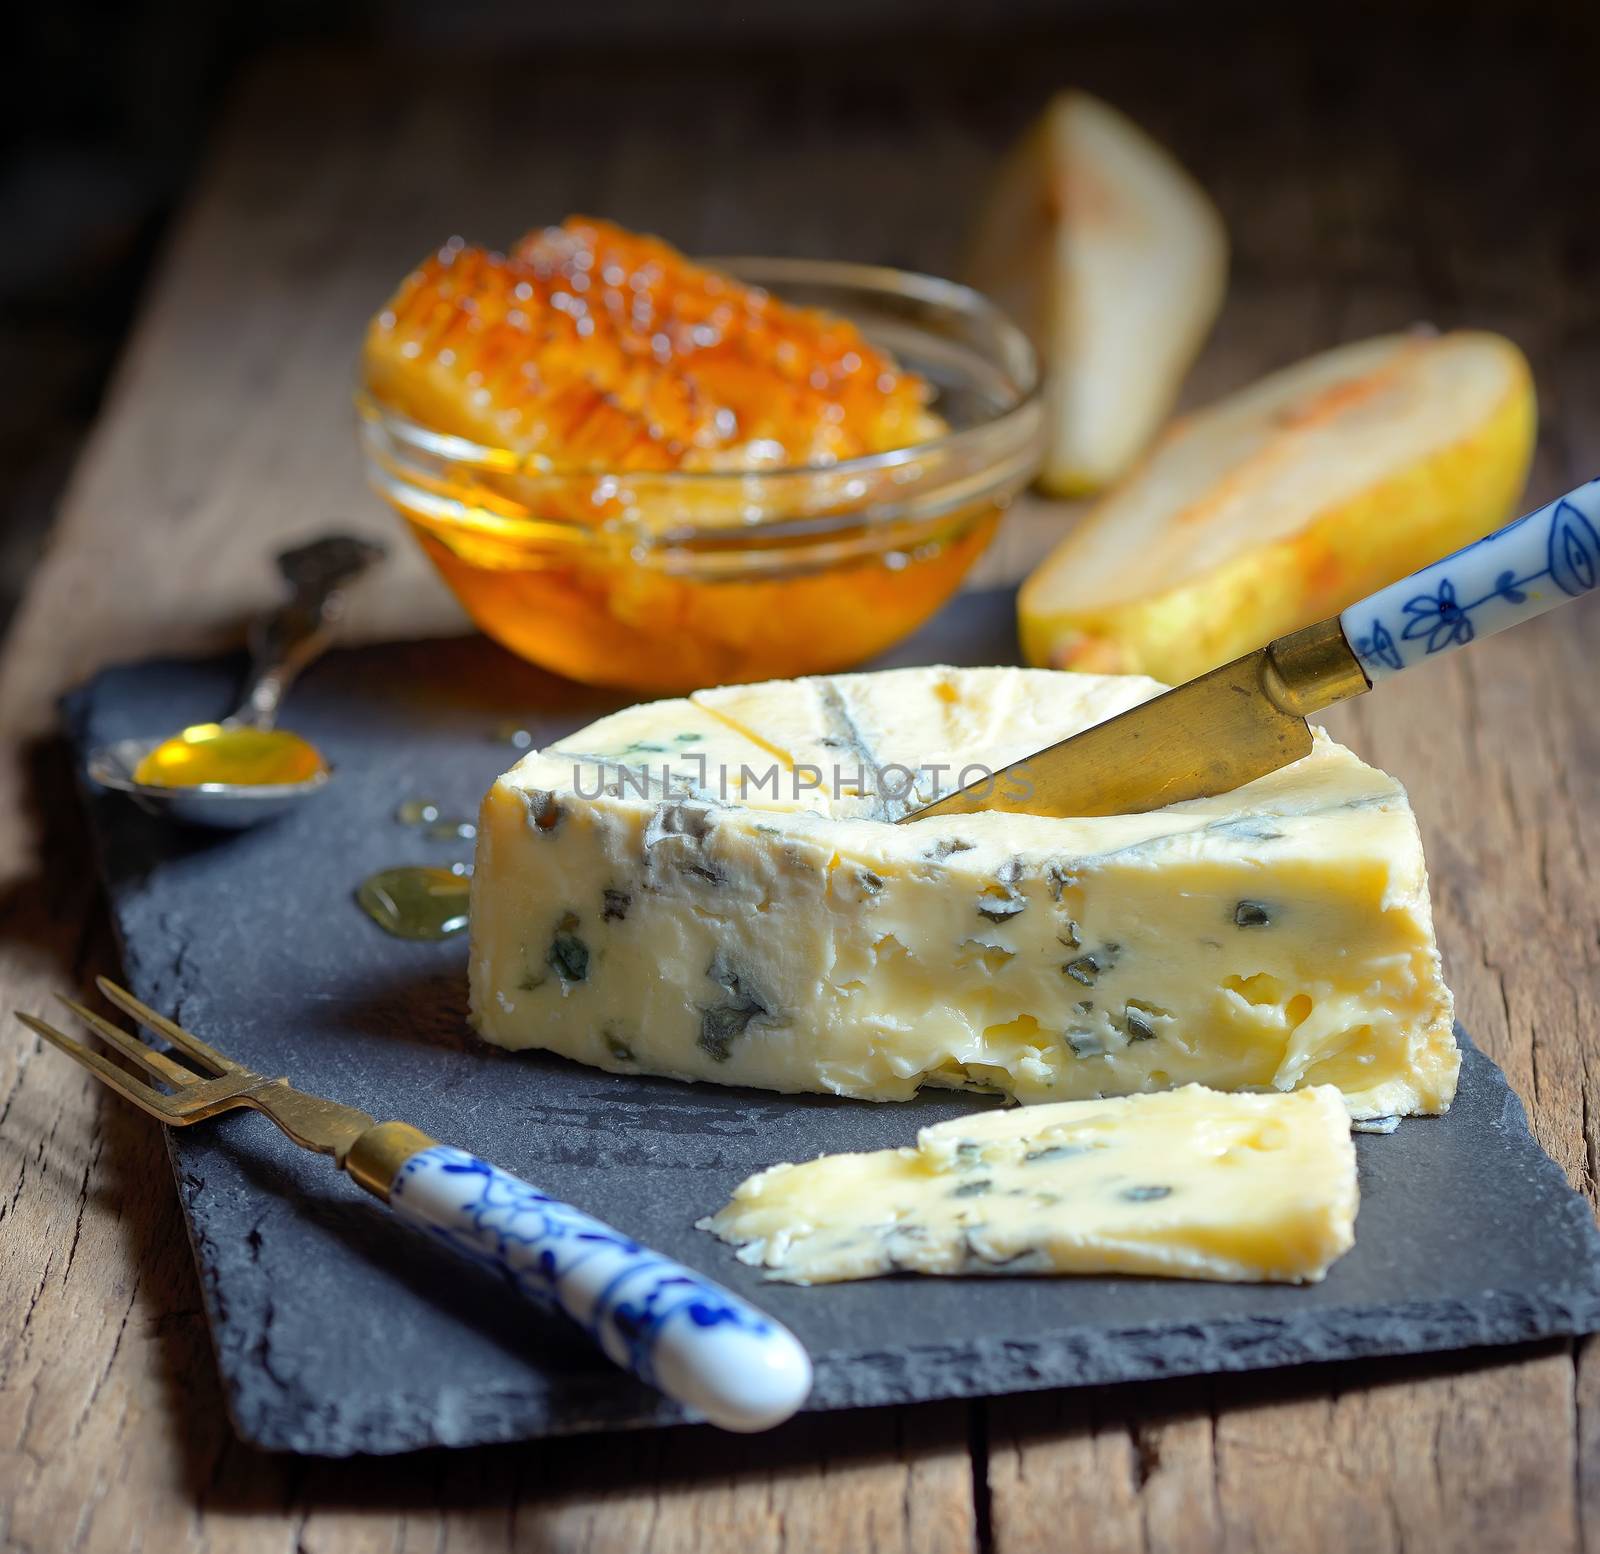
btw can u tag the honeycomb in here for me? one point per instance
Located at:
(589, 347)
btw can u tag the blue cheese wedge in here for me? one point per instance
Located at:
(1192, 1184)
(711, 888)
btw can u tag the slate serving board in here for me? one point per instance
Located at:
(339, 1331)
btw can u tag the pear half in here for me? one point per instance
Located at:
(1114, 260)
(1283, 503)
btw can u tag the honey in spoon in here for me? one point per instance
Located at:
(238, 756)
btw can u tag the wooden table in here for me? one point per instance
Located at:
(1443, 178)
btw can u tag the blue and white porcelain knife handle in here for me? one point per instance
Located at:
(1520, 571)
(695, 1341)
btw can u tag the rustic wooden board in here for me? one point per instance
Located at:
(1369, 177)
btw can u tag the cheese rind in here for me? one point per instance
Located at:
(1190, 1184)
(674, 891)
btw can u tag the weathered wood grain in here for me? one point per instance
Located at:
(1365, 188)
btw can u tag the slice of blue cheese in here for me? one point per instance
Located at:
(676, 890)
(1190, 1184)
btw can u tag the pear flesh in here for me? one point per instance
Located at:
(1286, 501)
(1115, 261)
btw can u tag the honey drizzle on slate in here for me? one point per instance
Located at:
(417, 901)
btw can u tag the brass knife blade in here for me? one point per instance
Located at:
(1213, 734)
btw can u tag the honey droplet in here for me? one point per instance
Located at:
(415, 902)
(417, 812)
(451, 831)
(516, 735)
(234, 757)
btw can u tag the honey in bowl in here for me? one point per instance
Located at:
(636, 470)
(617, 625)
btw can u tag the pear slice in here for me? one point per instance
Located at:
(1114, 260)
(1285, 502)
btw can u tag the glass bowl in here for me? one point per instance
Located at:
(666, 581)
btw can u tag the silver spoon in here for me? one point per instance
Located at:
(244, 769)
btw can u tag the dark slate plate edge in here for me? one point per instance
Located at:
(73, 708)
(976, 1371)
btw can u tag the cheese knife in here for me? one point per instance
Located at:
(1234, 724)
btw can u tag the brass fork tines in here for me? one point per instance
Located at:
(204, 1083)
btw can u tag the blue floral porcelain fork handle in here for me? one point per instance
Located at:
(1520, 571)
(673, 1328)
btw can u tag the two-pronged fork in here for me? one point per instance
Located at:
(696, 1341)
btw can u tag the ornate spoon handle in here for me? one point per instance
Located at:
(292, 636)
(671, 1327)
(1520, 571)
